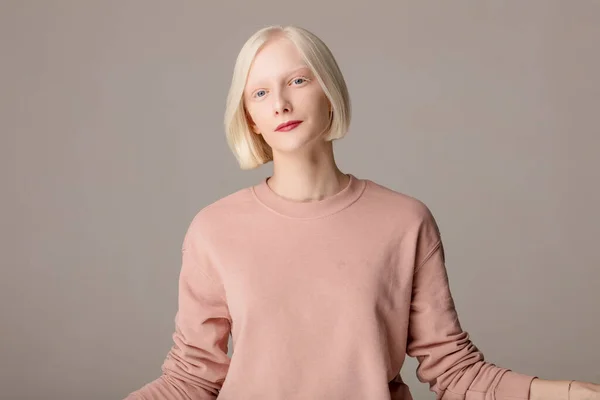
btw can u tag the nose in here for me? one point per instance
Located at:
(281, 105)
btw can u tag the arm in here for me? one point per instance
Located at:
(542, 389)
(448, 360)
(196, 366)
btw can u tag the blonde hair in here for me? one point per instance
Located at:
(250, 149)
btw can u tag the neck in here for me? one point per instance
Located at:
(307, 178)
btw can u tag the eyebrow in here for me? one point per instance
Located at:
(294, 71)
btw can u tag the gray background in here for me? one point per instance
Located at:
(112, 140)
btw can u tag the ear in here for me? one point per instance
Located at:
(254, 128)
(251, 123)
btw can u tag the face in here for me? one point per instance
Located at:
(280, 87)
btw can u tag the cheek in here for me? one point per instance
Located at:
(316, 103)
(322, 108)
(256, 116)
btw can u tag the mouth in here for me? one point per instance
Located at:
(287, 126)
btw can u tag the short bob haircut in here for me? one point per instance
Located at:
(250, 149)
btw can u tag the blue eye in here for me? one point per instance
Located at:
(260, 93)
(299, 79)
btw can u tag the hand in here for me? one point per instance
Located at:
(584, 391)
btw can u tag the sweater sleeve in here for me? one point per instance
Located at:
(197, 363)
(448, 360)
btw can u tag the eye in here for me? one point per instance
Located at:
(260, 93)
(299, 81)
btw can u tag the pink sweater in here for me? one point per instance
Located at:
(323, 300)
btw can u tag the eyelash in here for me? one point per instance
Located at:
(299, 77)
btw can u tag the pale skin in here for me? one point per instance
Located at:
(281, 87)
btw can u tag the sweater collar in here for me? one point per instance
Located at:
(309, 209)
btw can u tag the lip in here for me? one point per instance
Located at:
(290, 124)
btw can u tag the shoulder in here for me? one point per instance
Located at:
(413, 219)
(397, 204)
(221, 213)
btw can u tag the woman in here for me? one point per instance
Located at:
(324, 280)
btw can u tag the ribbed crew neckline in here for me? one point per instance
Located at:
(309, 209)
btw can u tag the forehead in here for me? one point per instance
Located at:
(277, 58)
